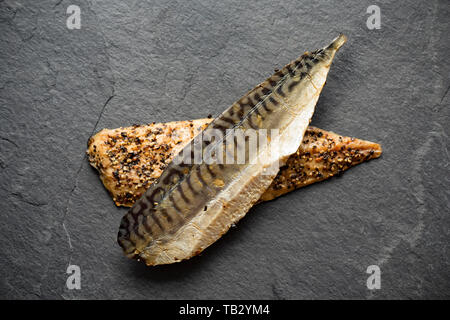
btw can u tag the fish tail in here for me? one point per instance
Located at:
(337, 42)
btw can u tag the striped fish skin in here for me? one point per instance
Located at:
(192, 205)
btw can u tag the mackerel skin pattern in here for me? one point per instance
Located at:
(171, 221)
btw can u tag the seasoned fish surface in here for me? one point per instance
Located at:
(130, 159)
(190, 206)
(322, 154)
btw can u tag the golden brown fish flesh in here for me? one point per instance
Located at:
(130, 159)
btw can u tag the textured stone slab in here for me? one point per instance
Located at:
(142, 61)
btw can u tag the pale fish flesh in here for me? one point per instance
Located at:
(193, 205)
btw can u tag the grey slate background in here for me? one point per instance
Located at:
(143, 61)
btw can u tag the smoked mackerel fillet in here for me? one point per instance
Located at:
(130, 159)
(192, 205)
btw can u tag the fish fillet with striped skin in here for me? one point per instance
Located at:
(190, 206)
(130, 159)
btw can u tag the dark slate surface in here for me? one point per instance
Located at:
(139, 61)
